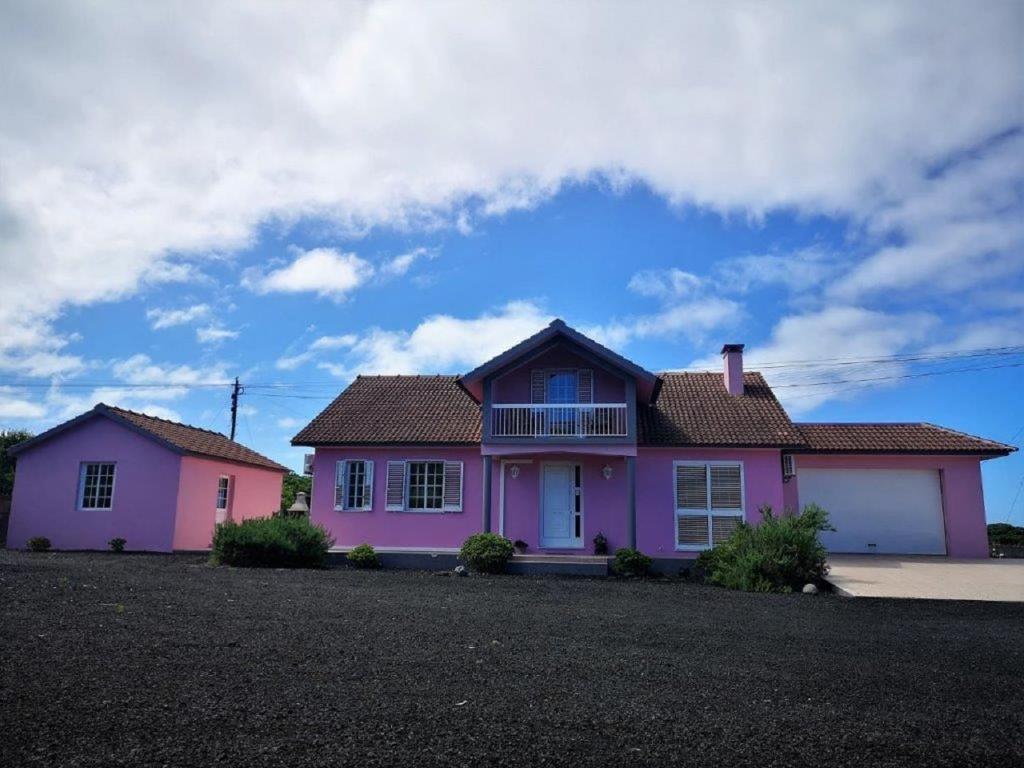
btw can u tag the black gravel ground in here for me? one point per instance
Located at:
(157, 660)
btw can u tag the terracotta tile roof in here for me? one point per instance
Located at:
(193, 440)
(397, 410)
(696, 409)
(916, 438)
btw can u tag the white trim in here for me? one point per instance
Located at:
(708, 512)
(80, 500)
(344, 464)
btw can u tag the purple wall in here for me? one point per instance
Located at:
(655, 501)
(963, 502)
(514, 386)
(46, 490)
(382, 529)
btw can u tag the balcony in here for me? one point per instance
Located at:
(559, 420)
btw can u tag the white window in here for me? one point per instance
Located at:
(426, 484)
(353, 485)
(96, 485)
(223, 487)
(709, 502)
(423, 486)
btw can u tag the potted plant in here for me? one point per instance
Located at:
(600, 544)
(520, 546)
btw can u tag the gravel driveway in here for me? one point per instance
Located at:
(161, 660)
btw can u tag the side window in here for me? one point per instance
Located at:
(353, 485)
(709, 502)
(96, 485)
(223, 487)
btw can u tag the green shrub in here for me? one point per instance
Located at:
(117, 544)
(631, 562)
(38, 544)
(779, 555)
(271, 542)
(486, 552)
(363, 556)
(1005, 534)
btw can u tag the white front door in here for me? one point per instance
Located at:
(885, 511)
(561, 524)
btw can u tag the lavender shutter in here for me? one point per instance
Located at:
(395, 492)
(368, 485)
(339, 485)
(538, 385)
(452, 493)
(586, 385)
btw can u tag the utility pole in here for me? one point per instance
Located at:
(235, 392)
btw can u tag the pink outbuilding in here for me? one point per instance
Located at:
(113, 473)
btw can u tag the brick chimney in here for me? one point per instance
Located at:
(732, 359)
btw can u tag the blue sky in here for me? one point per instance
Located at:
(411, 188)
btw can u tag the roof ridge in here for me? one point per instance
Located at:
(117, 408)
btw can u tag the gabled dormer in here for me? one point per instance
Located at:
(558, 386)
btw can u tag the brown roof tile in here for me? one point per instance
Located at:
(915, 438)
(397, 410)
(696, 409)
(193, 439)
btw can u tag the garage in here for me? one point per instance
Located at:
(884, 511)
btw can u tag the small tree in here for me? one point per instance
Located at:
(779, 555)
(7, 439)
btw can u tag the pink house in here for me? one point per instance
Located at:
(159, 485)
(559, 439)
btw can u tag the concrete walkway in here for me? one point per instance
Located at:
(933, 578)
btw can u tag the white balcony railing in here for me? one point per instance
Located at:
(559, 420)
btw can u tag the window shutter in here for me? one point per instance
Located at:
(452, 486)
(538, 385)
(722, 527)
(368, 485)
(691, 487)
(395, 501)
(339, 485)
(726, 486)
(692, 530)
(585, 377)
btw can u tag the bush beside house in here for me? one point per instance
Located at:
(486, 552)
(779, 555)
(271, 542)
(631, 562)
(363, 556)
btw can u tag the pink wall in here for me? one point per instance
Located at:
(604, 501)
(46, 490)
(255, 492)
(514, 386)
(963, 499)
(382, 529)
(655, 501)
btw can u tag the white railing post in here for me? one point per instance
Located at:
(569, 420)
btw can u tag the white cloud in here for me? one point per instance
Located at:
(665, 283)
(320, 345)
(814, 339)
(168, 318)
(215, 334)
(288, 422)
(440, 343)
(401, 264)
(797, 271)
(14, 404)
(323, 271)
(690, 319)
(411, 114)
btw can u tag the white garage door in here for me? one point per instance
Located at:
(888, 511)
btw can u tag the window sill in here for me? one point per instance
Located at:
(342, 509)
